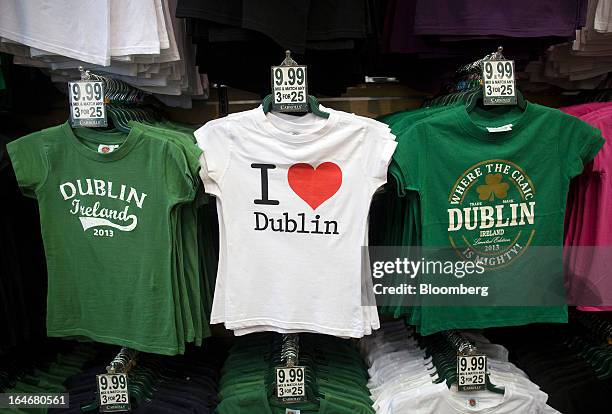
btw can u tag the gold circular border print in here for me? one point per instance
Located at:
(492, 180)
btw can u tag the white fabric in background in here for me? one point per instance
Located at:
(402, 380)
(603, 16)
(134, 28)
(162, 30)
(78, 29)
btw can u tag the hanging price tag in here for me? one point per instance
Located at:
(113, 393)
(87, 104)
(471, 372)
(289, 89)
(290, 384)
(498, 82)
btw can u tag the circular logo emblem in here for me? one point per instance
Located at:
(491, 213)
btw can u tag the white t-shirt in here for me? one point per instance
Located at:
(294, 199)
(135, 27)
(402, 380)
(78, 29)
(603, 16)
(440, 400)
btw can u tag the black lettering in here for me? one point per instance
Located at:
(264, 184)
(316, 223)
(328, 224)
(265, 218)
(289, 222)
(303, 220)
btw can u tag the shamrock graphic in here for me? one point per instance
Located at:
(493, 188)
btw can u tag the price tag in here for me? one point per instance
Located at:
(113, 393)
(290, 384)
(87, 104)
(289, 89)
(498, 82)
(471, 372)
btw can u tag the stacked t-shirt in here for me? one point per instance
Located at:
(293, 195)
(563, 363)
(336, 380)
(157, 384)
(583, 63)
(121, 246)
(474, 162)
(588, 220)
(403, 379)
(460, 27)
(325, 33)
(140, 42)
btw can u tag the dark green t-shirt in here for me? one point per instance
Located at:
(106, 226)
(492, 194)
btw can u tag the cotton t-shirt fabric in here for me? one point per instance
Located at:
(603, 16)
(335, 377)
(544, 146)
(402, 376)
(127, 38)
(521, 18)
(189, 275)
(565, 375)
(289, 192)
(95, 209)
(588, 220)
(35, 24)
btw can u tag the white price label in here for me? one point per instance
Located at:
(289, 89)
(113, 393)
(87, 104)
(290, 383)
(471, 372)
(498, 82)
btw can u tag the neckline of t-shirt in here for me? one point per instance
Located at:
(309, 136)
(481, 132)
(456, 401)
(101, 138)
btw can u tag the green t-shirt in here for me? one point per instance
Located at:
(190, 286)
(106, 226)
(400, 209)
(493, 194)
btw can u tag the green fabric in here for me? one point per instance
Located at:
(110, 284)
(398, 223)
(545, 146)
(2, 83)
(336, 379)
(190, 278)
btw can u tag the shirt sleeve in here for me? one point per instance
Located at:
(379, 147)
(215, 143)
(180, 179)
(406, 166)
(30, 163)
(582, 143)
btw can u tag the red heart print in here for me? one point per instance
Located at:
(315, 185)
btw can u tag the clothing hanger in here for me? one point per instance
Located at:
(122, 363)
(446, 359)
(313, 103)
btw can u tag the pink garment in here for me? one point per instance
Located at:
(580, 110)
(589, 219)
